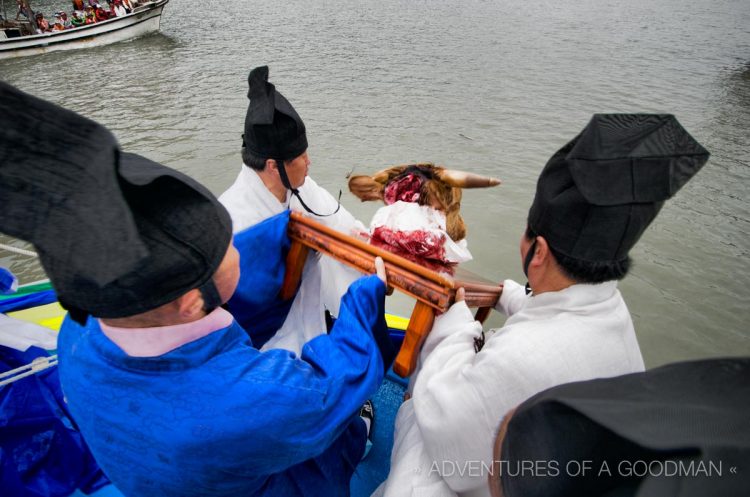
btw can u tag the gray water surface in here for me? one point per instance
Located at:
(494, 87)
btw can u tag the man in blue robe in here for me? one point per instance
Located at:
(167, 389)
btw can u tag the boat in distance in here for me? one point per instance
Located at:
(144, 19)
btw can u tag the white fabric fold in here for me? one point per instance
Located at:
(20, 335)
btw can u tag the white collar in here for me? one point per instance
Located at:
(158, 340)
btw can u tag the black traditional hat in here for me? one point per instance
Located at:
(117, 234)
(677, 430)
(273, 129)
(598, 193)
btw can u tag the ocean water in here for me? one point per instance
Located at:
(493, 87)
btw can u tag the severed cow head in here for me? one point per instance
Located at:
(425, 184)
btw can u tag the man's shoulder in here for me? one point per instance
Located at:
(236, 185)
(566, 329)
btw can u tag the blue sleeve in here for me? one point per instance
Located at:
(255, 304)
(307, 402)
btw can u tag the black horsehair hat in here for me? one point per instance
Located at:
(597, 194)
(273, 129)
(675, 430)
(117, 234)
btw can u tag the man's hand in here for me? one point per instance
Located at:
(380, 270)
(460, 295)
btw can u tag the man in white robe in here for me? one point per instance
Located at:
(594, 199)
(274, 135)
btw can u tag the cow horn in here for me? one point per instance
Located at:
(463, 179)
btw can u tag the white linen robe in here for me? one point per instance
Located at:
(445, 433)
(250, 202)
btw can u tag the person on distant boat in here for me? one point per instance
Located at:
(77, 5)
(41, 23)
(65, 20)
(274, 178)
(594, 199)
(25, 10)
(100, 13)
(77, 19)
(90, 16)
(118, 8)
(169, 393)
(669, 432)
(58, 25)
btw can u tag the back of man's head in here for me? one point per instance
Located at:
(598, 194)
(117, 234)
(273, 129)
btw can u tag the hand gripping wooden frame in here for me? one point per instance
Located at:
(434, 292)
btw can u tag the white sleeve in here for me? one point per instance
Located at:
(512, 299)
(459, 399)
(456, 321)
(412, 473)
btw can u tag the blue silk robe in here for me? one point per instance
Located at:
(218, 417)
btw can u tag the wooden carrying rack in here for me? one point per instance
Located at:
(433, 291)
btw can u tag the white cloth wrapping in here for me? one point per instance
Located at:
(250, 202)
(20, 335)
(409, 217)
(459, 396)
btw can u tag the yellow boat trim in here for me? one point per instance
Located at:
(49, 315)
(52, 315)
(396, 322)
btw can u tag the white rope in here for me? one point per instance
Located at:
(37, 365)
(17, 250)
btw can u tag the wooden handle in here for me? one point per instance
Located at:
(420, 325)
(434, 292)
(295, 262)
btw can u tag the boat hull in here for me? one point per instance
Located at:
(93, 35)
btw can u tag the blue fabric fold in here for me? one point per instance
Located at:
(42, 454)
(27, 301)
(255, 304)
(8, 282)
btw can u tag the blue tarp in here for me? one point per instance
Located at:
(8, 281)
(42, 454)
(27, 301)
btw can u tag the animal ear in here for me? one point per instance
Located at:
(462, 179)
(366, 188)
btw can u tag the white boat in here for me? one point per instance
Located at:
(144, 19)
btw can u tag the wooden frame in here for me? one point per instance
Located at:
(434, 292)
